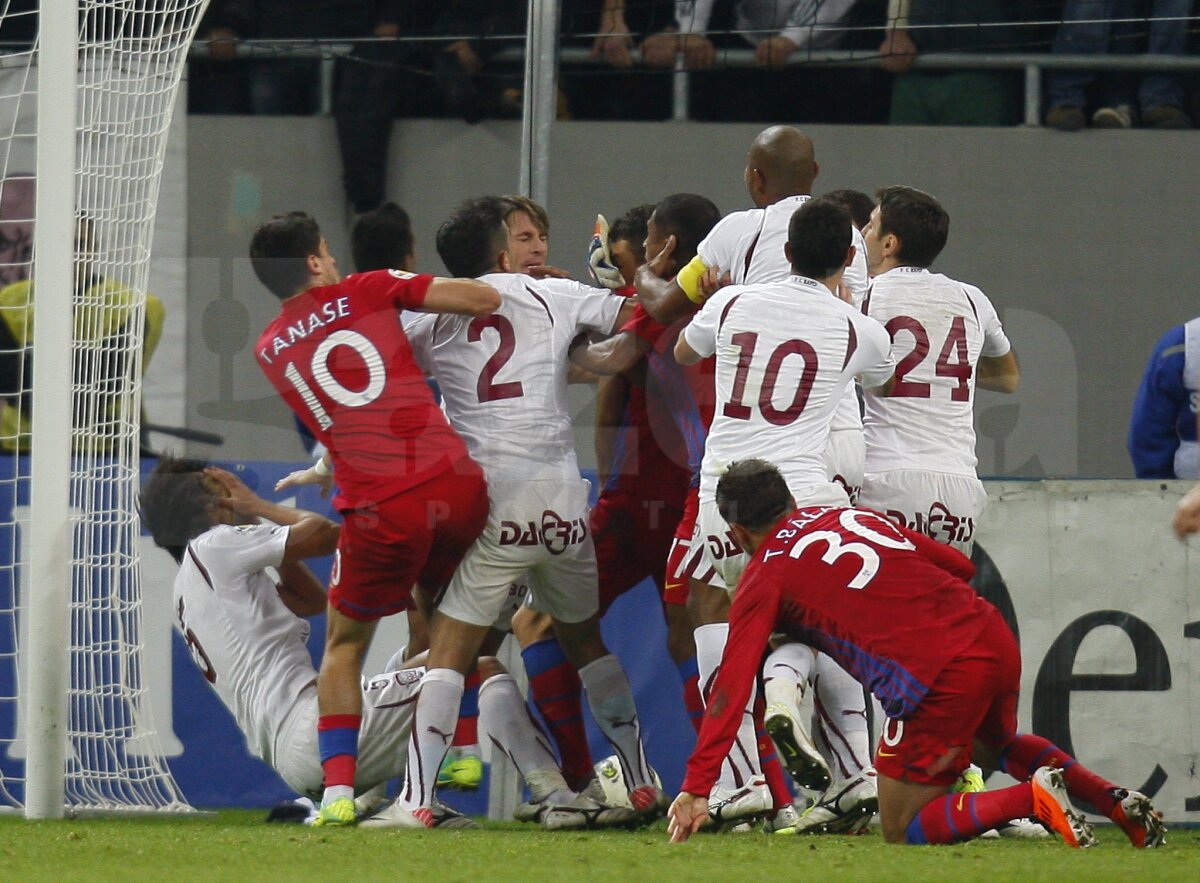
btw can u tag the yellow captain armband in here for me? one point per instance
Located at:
(689, 279)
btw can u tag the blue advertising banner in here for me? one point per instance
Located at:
(205, 750)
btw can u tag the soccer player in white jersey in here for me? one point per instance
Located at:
(787, 352)
(504, 386)
(946, 339)
(748, 247)
(246, 629)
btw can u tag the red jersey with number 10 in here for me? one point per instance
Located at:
(338, 356)
(889, 605)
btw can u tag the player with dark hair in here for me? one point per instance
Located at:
(503, 380)
(748, 247)
(857, 203)
(947, 338)
(686, 395)
(246, 632)
(917, 221)
(895, 609)
(787, 355)
(411, 498)
(382, 239)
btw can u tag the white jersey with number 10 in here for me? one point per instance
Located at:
(786, 353)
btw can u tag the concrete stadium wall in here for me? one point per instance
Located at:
(1084, 242)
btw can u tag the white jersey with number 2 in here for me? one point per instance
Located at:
(504, 377)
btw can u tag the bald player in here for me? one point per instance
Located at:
(747, 247)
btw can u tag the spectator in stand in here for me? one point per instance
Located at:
(777, 31)
(219, 84)
(382, 80)
(290, 86)
(1162, 430)
(950, 97)
(1096, 27)
(370, 90)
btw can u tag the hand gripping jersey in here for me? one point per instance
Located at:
(786, 353)
(504, 377)
(339, 357)
(250, 648)
(939, 330)
(889, 605)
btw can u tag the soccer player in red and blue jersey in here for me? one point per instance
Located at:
(894, 609)
(411, 498)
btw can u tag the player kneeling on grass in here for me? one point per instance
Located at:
(245, 628)
(893, 608)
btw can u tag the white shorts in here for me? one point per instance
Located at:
(940, 505)
(845, 456)
(537, 534)
(389, 703)
(715, 557)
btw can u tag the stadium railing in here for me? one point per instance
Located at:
(1031, 64)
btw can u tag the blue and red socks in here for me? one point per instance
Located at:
(466, 733)
(337, 741)
(958, 817)
(1027, 752)
(689, 674)
(557, 693)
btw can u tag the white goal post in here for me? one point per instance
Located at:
(87, 90)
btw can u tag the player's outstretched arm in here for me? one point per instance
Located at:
(686, 815)
(611, 355)
(999, 373)
(318, 473)
(466, 297)
(1187, 514)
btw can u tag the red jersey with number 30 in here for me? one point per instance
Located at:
(889, 605)
(340, 359)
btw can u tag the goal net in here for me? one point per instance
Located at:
(131, 55)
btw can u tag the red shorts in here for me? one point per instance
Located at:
(418, 536)
(633, 538)
(974, 697)
(675, 590)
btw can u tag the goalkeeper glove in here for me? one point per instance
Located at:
(600, 262)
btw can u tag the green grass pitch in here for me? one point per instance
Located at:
(239, 845)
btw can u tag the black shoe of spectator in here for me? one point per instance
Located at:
(1065, 118)
(1166, 116)
(457, 87)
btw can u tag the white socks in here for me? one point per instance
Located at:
(742, 763)
(505, 719)
(611, 701)
(842, 715)
(434, 721)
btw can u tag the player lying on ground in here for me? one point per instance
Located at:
(247, 633)
(894, 609)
